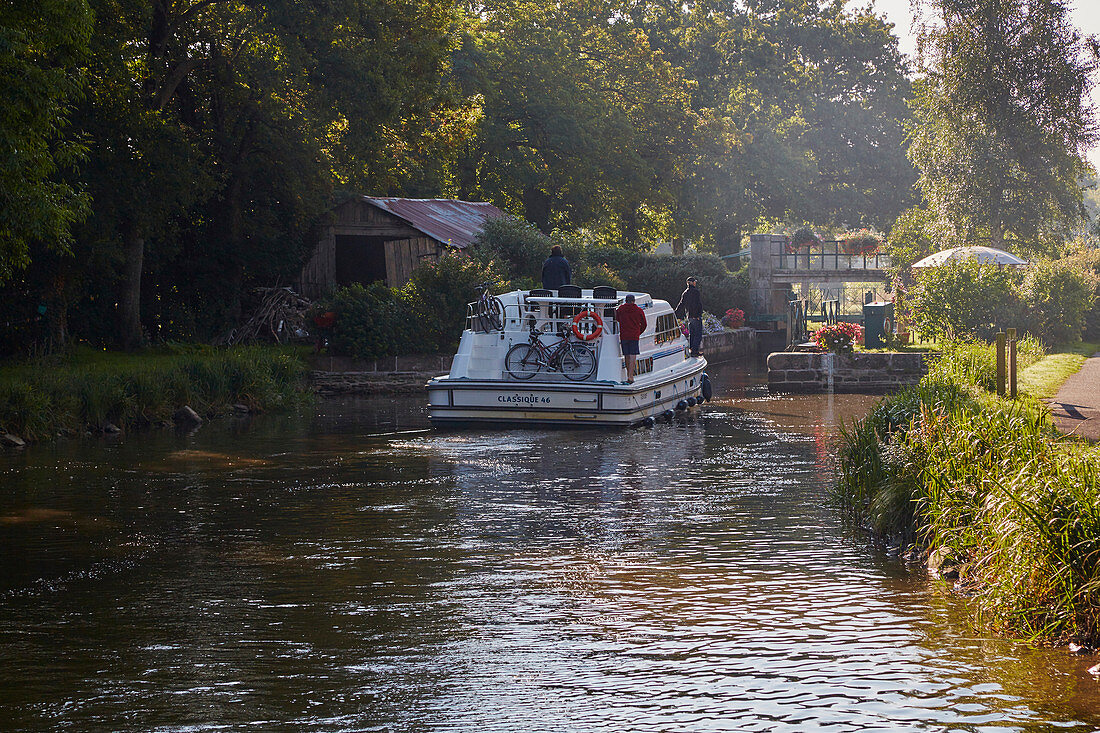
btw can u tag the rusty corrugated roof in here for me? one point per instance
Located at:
(452, 222)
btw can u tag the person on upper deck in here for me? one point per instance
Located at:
(556, 271)
(691, 303)
(632, 324)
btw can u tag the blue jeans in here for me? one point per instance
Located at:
(695, 335)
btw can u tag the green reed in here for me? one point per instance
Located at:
(992, 482)
(88, 390)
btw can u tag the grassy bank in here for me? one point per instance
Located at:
(989, 488)
(1043, 378)
(86, 389)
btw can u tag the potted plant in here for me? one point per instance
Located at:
(839, 338)
(864, 242)
(734, 318)
(802, 239)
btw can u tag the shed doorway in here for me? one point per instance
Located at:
(360, 259)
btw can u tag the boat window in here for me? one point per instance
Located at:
(668, 329)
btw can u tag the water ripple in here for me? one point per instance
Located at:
(355, 573)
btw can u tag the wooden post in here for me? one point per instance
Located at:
(1001, 363)
(1011, 362)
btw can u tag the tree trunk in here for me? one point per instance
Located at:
(536, 208)
(630, 227)
(996, 226)
(234, 228)
(728, 239)
(129, 299)
(57, 321)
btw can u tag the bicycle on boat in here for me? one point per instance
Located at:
(488, 308)
(576, 361)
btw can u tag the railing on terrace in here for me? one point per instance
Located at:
(829, 256)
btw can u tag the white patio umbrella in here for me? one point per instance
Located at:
(982, 254)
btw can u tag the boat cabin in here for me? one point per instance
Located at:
(573, 314)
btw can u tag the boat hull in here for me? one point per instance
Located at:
(459, 401)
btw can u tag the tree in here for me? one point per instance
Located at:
(1002, 118)
(583, 121)
(802, 108)
(42, 44)
(220, 128)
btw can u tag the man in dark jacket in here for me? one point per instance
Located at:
(691, 302)
(556, 271)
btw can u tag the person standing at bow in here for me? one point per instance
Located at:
(691, 303)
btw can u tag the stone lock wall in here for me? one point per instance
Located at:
(729, 345)
(875, 372)
(339, 375)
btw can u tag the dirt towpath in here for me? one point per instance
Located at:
(1076, 407)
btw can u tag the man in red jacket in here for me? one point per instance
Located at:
(632, 323)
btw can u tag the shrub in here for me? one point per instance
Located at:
(664, 276)
(1087, 260)
(1057, 295)
(622, 261)
(371, 322)
(965, 297)
(516, 248)
(911, 237)
(436, 297)
(588, 275)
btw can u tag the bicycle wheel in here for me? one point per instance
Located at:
(578, 362)
(522, 361)
(491, 313)
(495, 313)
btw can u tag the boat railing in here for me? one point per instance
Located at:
(545, 314)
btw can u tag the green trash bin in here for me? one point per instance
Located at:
(878, 324)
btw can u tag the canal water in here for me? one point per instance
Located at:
(349, 569)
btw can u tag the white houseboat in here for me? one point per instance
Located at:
(553, 358)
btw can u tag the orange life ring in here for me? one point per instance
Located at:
(595, 332)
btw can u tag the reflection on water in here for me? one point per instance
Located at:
(355, 570)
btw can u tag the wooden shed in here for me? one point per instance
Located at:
(367, 239)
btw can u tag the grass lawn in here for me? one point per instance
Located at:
(1043, 378)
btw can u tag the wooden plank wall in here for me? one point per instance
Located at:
(404, 255)
(319, 274)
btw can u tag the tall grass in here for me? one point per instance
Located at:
(989, 481)
(87, 390)
(974, 362)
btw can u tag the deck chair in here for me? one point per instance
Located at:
(606, 292)
(533, 309)
(568, 291)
